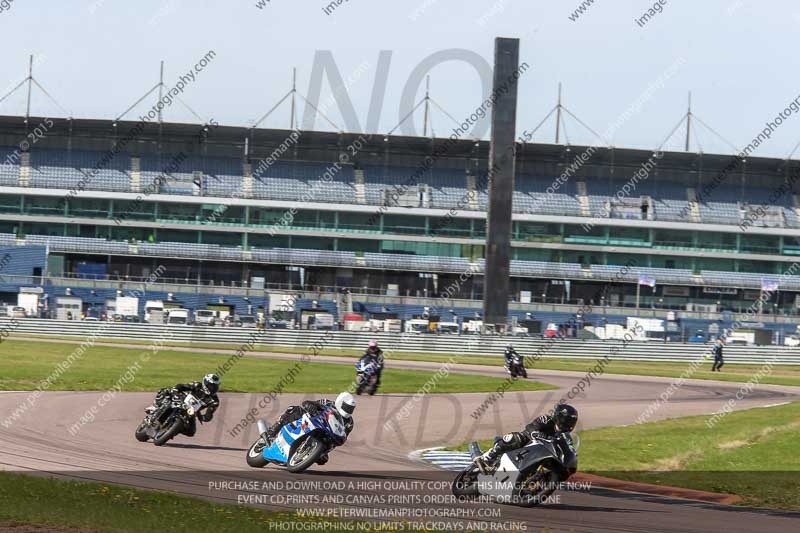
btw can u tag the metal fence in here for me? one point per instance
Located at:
(467, 345)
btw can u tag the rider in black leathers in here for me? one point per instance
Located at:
(205, 391)
(509, 355)
(562, 420)
(376, 355)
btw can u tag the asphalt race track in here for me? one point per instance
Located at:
(373, 473)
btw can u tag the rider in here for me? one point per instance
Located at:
(509, 355)
(376, 355)
(562, 420)
(205, 391)
(344, 406)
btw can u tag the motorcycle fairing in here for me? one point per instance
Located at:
(282, 445)
(289, 434)
(500, 484)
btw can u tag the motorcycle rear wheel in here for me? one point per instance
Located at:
(141, 433)
(163, 437)
(305, 455)
(255, 455)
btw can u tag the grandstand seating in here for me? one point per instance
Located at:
(416, 263)
(293, 180)
(63, 170)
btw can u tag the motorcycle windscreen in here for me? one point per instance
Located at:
(336, 427)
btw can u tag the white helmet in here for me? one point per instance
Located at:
(345, 404)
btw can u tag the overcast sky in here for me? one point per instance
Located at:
(96, 57)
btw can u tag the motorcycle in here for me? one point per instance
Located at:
(526, 476)
(516, 367)
(366, 376)
(170, 417)
(299, 444)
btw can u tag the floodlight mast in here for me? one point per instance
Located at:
(30, 88)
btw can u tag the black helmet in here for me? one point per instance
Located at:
(566, 417)
(211, 383)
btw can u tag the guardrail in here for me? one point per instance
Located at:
(406, 342)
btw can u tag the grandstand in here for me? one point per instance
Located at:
(186, 197)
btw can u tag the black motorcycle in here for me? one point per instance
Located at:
(516, 367)
(526, 476)
(170, 417)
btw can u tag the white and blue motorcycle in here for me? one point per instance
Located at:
(366, 376)
(301, 443)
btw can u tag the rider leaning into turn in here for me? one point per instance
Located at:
(205, 391)
(376, 354)
(344, 406)
(562, 420)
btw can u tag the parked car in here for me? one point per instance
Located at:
(247, 321)
(17, 312)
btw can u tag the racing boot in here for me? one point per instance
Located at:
(272, 432)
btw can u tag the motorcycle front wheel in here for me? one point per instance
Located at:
(255, 455)
(162, 437)
(464, 485)
(141, 433)
(305, 455)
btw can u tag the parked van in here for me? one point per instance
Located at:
(205, 317)
(178, 317)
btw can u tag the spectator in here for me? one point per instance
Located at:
(718, 362)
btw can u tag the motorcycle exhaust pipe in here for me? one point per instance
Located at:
(262, 427)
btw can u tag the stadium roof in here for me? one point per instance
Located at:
(93, 134)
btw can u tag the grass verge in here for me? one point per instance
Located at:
(751, 453)
(25, 364)
(780, 375)
(68, 505)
